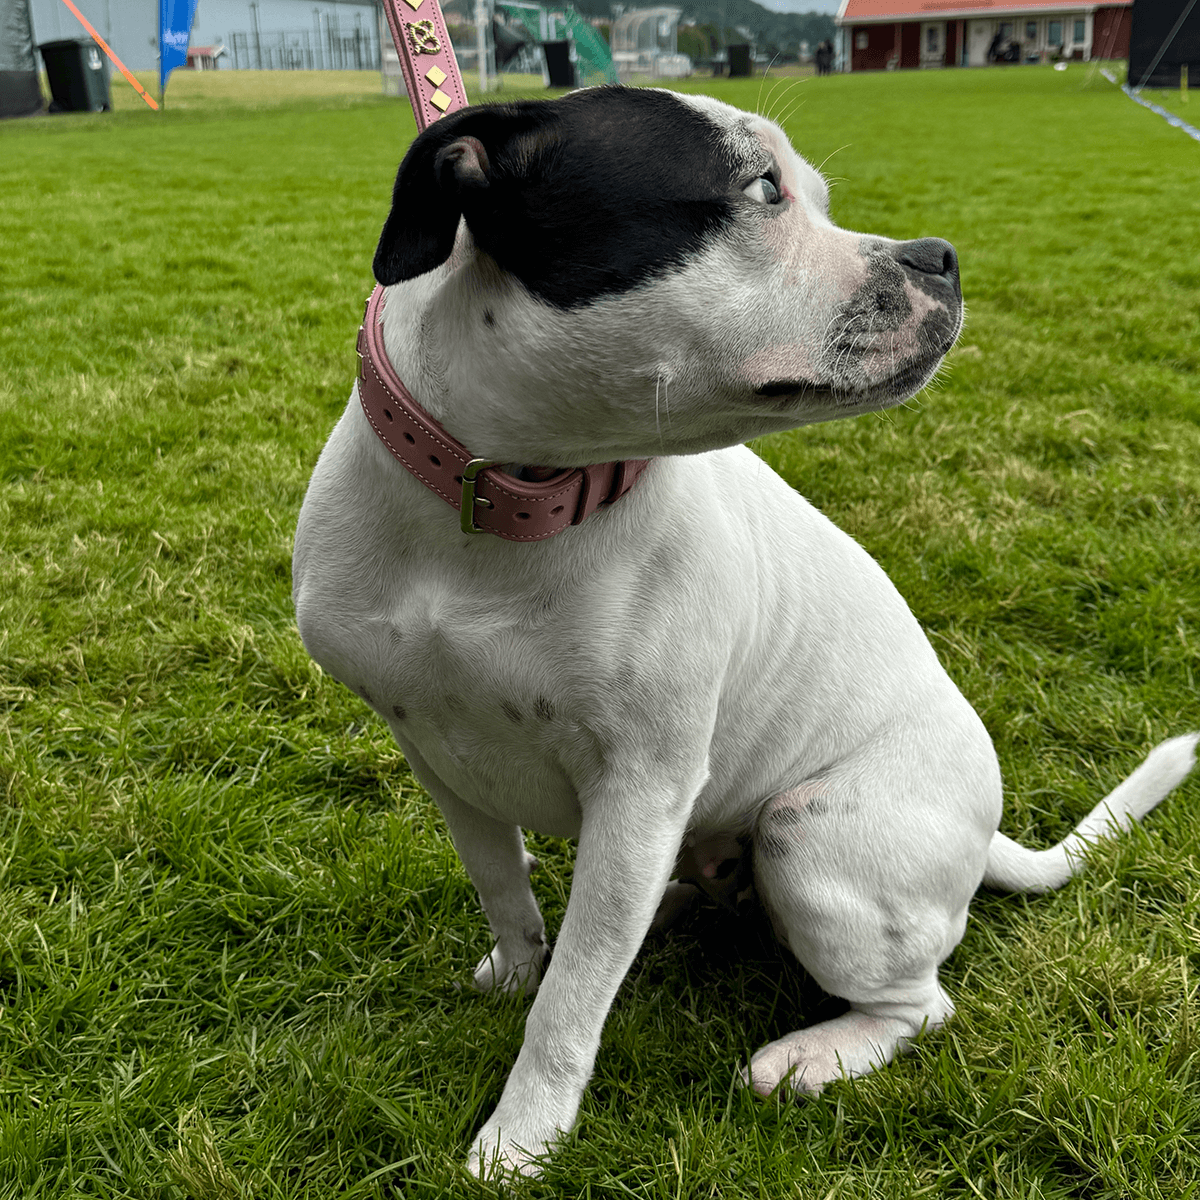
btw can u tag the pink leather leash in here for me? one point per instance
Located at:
(431, 74)
(487, 499)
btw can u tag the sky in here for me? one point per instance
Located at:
(822, 6)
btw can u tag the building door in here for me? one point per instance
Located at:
(933, 44)
(910, 45)
(979, 37)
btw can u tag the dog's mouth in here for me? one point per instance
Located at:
(853, 386)
(791, 388)
(911, 378)
(907, 380)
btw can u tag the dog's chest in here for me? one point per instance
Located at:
(480, 688)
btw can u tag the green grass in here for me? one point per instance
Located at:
(233, 929)
(219, 91)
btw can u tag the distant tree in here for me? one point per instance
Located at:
(695, 43)
(710, 31)
(781, 31)
(786, 30)
(601, 8)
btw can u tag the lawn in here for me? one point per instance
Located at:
(233, 932)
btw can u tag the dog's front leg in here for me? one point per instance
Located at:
(628, 843)
(495, 858)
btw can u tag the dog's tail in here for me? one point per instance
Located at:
(1014, 868)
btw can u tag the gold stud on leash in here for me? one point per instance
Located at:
(438, 90)
(423, 38)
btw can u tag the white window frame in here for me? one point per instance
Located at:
(938, 53)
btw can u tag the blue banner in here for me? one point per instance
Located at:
(174, 29)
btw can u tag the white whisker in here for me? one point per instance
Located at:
(657, 422)
(758, 102)
(833, 152)
(792, 109)
(783, 82)
(792, 85)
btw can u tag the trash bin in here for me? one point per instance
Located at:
(559, 65)
(739, 60)
(78, 75)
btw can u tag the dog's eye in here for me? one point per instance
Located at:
(764, 190)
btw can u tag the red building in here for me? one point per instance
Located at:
(876, 35)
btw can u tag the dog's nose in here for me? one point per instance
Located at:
(930, 256)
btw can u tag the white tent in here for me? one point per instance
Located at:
(20, 91)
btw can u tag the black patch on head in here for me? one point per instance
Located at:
(398, 712)
(582, 197)
(511, 711)
(543, 709)
(489, 318)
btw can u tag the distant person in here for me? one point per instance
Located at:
(994, 53)
(824, 57)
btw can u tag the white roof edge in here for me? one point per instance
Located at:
(1016, 9)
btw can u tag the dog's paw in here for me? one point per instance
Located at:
(494, 1153)
(502, 971)
(792, 1065)
(847, 1046)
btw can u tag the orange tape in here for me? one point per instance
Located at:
(137, 87)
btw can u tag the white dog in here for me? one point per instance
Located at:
(701, 664)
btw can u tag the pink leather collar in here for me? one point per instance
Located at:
(487, 499)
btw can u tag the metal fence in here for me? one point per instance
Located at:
(326, 47)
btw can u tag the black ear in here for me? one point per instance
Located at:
(444, 166)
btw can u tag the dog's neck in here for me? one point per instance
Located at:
(513, 500)
(424, 358)
(466, 339)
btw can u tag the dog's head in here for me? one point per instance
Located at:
(642, 250)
